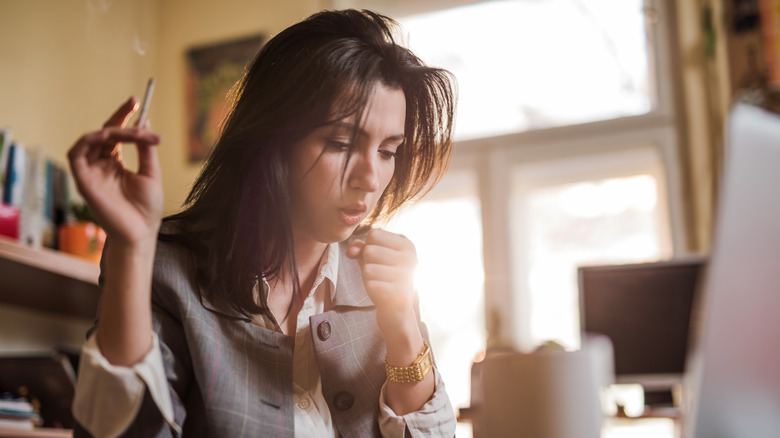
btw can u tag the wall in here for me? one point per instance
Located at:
(184, 24)
(65, 65)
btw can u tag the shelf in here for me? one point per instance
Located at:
(35, 433)
(48, 280)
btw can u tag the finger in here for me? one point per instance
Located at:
(120, 116)
(81, 169)
(355, 248)
(386, 273)
(78, 162)
(101, 144)
(83, 144)
(130, 135)
(384, 255)
(83, 149)
(119, 119)
(391, 240)
(148, 162)
(143, 139)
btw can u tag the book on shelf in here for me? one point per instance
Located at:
(9, 221)
(46, 379)
(5, 146)
(13, 190)
(59, 201)
(19, 413)
(11, 160)
(34, 194)
(32, 225)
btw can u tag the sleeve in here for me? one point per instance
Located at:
(145, 400)
(435, 419)
(108, 397)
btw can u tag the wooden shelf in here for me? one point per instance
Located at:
(35, 433)
(48, 280)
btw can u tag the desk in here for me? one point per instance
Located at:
(642, 427)
(652, 424)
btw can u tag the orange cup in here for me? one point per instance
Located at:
(82, 239)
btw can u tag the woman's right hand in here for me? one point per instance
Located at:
(127, 204)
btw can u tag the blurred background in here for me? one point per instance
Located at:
(588, 132)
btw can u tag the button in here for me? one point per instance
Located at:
(323, 331)
(343, 400)
(303, 403)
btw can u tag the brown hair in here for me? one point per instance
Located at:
(313, 73)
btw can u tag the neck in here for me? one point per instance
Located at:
(308, 254)
(283, 303)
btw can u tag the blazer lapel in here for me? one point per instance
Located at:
(350, 290)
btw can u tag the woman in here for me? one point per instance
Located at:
(268, 306)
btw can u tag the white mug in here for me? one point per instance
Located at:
(546, 394)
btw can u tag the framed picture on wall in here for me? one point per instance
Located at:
(212, 71)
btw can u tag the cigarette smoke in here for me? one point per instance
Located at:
(139, 46)
(114, 27)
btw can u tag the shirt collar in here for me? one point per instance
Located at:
(329, 268)
(343, 272)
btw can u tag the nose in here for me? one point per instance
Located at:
(363, 171)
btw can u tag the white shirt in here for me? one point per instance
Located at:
(116, 392)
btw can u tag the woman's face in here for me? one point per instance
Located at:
(328, 203)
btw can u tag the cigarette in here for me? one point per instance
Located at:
(145, 105)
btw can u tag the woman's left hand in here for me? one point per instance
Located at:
(388, 261)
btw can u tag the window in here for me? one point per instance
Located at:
(536, 64)
(571, 212)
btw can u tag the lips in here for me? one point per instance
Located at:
(353, 213)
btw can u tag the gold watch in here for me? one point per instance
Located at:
(414, 373)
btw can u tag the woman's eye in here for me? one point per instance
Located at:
(387, 154)
(337, 144)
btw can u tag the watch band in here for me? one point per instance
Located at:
(413, 373)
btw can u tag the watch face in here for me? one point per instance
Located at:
(426, 364)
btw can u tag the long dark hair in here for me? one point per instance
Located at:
(235, 219)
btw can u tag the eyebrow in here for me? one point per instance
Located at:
(362, 132)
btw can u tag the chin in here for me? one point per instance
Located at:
(347, 233)
(337, 235)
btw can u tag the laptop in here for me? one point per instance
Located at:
(733, 377)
